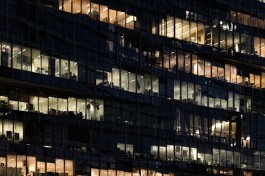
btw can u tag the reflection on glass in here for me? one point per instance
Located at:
(36, 61)
(44, 64)
(26, 59)
(17, 59)
(6, 55)
(43, 105)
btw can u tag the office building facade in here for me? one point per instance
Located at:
(132, 87)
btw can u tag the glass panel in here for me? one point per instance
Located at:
(100, 110)
(73, 71)
(185, 153)
(220, 73)
(116, 77)
(13, 99)
(262, 48)
(130, 20)
(237, 102)
(94, 172)
(121, 18)
(4, 99)
(201, 34)
(59, 166)
(67, 6)
(62, 106)
(41, 167)
(104, 13)
(33, 104)
(200, 68)
(257, 46)
(17, 59)
(155, 85)
(162, 27)
(178, 28)
(208, 69)
(214, 71)
(124, 80)
(193, 154)
(81, 108)
(21, 164)
(43, 105)
(11, 165)
(186, 30)
(112, 16)
(180, 61)
(132, 82)
(184, 91)
(94, 11)
(233, 74)
(44, 64)
(162, 153)
(191, 92)
(166, 57)
(53, 106)
(263, 80)
(140, 84)
(197, 94)
(173, 58)
(86, 7)
(170, 152)
(76, 6)
(193, 32)
(95, 109)
(154, 151)
(36, 61)
(257, 81)
(194, 64)
(31, 164)
(50, 168)
(64, 69)
(60, 5)
(57, 67)
(170, 26)
(71, 106)
(26, 59)
(187, 62)
(147, 84)
(227, 73)
(6, 55)
(211, 102)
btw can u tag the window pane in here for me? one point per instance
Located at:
(81, 108)
(17, 57)
(170, 26)
(86, 7)
(6, 55)
(121, 18)
(67, 6)
(76, 6)
(62, 106)
(71, 106)
(43, 105)
(178, 28)
(36, 61)
(44, 64)
(104, 13)
(73, 71)
(112, 16)
(64, 69)
(94, 11)
(26, 59)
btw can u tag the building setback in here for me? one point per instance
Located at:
(132, 87)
